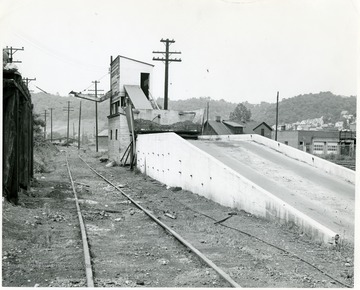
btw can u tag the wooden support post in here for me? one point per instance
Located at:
(277, 115)
(79, 126)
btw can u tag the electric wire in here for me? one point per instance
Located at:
(99, 79)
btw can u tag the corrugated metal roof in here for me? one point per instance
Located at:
(249, 126)
(219, 128)
(233, 124)
(137, 97)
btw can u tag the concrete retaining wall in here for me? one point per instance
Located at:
(176, 162)
(327, 166)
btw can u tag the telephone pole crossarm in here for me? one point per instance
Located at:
(166, 59)
(11, 51)
(27, 81)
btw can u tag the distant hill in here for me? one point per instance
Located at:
(59, 104)
(302, 107)
(305, 107)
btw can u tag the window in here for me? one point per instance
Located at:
(262, 132)
(115, 108)
(318, 147)
(122, 102)
(116, 134)
(332, 148)
(110, 134)
(286, 143)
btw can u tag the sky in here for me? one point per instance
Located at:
(236, 50)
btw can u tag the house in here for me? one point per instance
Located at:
(216, 128)
(103, 141)
(253, 127)
(224, 127)
(234, 127)
(263, 129)
(314, 142)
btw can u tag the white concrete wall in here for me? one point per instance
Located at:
(176, 162)
(327, 166)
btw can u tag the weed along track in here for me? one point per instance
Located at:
(129, 246)
(143, 234)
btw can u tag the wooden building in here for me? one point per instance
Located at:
(263, 129)
(133, 110)
(103, 140)
(130, 85)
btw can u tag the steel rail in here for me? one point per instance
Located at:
(88, 268)
(210, 263)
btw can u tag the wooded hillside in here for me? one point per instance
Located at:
(302, 107)
(294, 109)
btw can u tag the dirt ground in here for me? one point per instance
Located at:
(42, 244)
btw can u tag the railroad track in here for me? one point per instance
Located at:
(128, 214)
(183, 244)
(348, 164)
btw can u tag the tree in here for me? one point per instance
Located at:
(38, 125)
(241, 113)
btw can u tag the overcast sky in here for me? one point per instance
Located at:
(237, 50)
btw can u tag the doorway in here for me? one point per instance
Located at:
(144, 83)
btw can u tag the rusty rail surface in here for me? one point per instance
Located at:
(200, 255)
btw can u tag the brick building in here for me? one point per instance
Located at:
(314, 142)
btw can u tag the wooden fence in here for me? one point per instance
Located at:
(17, 135)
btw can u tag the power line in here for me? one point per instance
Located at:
(56, 54)
(68, 109)
(96, 115)
(167, 60)
(98, 79)
(45, 114)
(51, 124)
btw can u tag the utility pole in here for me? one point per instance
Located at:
(27, 81)
(79, 126)
(68, 109)
(96, 115)
(277, 115)
(51, 124)
(45, 114)
(11, 51)
(167, 60)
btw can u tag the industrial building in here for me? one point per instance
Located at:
(314, 142)
(133, 111)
